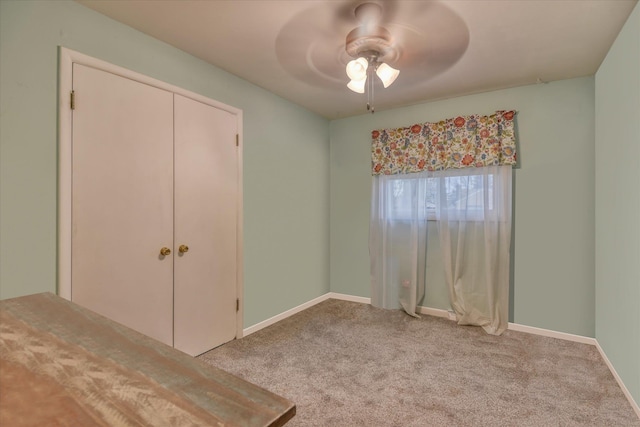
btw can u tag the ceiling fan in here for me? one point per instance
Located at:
(374, 41)
(372, 46)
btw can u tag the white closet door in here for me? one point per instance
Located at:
(206, 188)
(122, 201)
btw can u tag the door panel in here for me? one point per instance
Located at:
(122, 201)
(206, 188)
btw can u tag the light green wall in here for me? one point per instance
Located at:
(618, 204)
(286, 155)
(553, 285)
(287, 180)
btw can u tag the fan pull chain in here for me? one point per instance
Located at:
(368, 90)
(370, 84)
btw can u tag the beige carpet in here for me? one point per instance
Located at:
(349, 364)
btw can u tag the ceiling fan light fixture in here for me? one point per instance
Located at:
(357, 85)
(387, 74)
(371, 46)
(357, 69)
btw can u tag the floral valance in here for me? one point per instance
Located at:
(464, 141)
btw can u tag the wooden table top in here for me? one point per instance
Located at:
(61, 364)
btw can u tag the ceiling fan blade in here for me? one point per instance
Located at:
(429, 38)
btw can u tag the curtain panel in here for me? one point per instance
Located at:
(457, 175)
(475, 241)
(461, 142)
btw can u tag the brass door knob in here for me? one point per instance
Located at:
(183, 248)
(165, 251)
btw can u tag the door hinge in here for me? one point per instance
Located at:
(73, 99)
(237, 304)
(237, 140)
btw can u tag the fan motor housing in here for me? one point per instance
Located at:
(367, 42)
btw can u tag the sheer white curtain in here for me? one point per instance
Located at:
(458, 173)
(472, 207)
(473, 212)
(398, 240)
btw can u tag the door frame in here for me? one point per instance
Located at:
(66, 59)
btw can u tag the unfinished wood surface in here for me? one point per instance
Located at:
(64, 365)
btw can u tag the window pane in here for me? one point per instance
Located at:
(418, 196)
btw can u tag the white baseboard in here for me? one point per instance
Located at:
(552, 334)
(624, 388)
(422, 310)
(446, 314)
(284, 315)
(351, 298)
(270, 321)
(436, 312)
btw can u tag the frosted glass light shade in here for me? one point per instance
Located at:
(357, 85)
(357, 69)
(387, 74)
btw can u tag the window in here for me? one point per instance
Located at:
(419, 194)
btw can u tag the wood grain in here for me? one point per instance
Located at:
(61, 364)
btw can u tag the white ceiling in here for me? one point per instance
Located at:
(449, 48)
